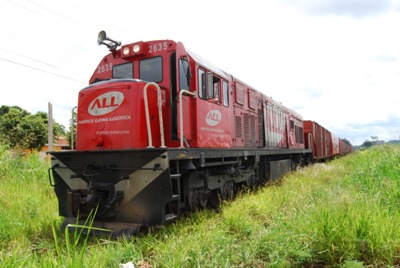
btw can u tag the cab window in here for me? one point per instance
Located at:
(151, 69)
(213, 87)
(122, 71)
(201, 74)
(225, 93)
(184, 74)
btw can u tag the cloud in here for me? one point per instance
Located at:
(385, 129)
(383, 57)
(389, 122)
(354, 8)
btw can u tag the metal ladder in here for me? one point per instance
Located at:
(175, 204)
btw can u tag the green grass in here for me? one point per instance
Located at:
(344, 213)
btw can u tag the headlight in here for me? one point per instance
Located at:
(136, 48)
(126, 51)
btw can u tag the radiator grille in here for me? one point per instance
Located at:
(250, 130)
(253, 130)
(261, 128)
(238, 127)
(246, 130)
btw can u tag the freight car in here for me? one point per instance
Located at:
(345, 147)
(323, 143)
(161, 131)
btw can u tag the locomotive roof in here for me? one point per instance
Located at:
(220, 72)
(208, 65)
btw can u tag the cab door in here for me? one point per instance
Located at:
(183, 75)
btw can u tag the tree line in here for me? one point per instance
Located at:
(23, 130)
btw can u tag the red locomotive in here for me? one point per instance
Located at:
(161, 131)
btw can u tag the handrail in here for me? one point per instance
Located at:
(186, 92)
(72, 127)
(146, 107)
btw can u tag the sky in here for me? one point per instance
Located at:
(336, 62)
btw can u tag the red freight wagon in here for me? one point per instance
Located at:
(318, 139)
(345, 147)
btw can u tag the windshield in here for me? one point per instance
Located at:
(151, 69)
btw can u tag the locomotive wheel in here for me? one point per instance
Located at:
(228, 192)
(215, 198)
(199, 199)
(218, 195)
(252, 182)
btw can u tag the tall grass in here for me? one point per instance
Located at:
(340, 214)
(27, 207)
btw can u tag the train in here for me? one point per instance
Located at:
(161, 132)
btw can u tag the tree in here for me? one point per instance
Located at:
(72, 123)
(6, 109)
(57, 128)
(34, 132)
(21, 129)
(367, 144)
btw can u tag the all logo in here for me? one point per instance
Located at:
(213, 117)
(105, 103)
